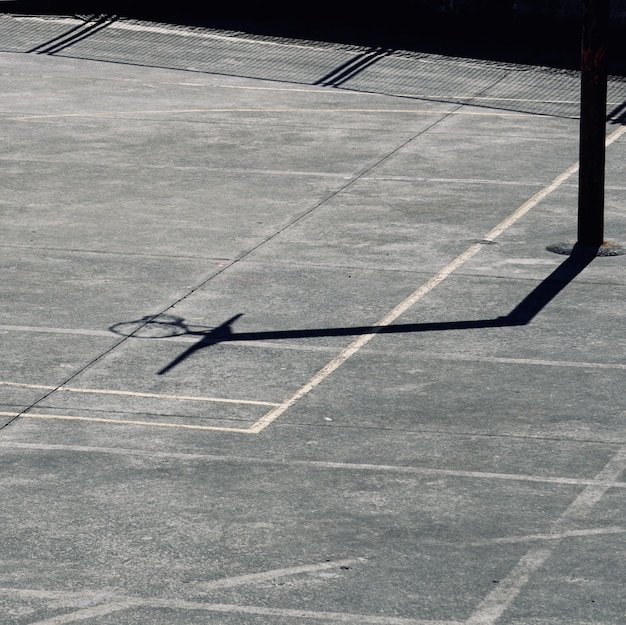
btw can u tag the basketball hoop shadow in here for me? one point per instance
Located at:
(163, 326)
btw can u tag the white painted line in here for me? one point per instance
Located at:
(46, 329)
(584, 503)
(531, 203)
(418, 294)
(286, 613)
(229, 38)
(154, 424)
(363, 339)
(498, 600)
(125, 602)
(98, 391)
(511, 540)
(308, 111)
(480, 181)
(614, 136)
(179, 32)
(250, 578)
(221, 400)
(322, 464)
(107, 114)
(83, 614)
(531, 361)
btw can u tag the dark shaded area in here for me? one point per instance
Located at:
(351, 68)
(74, 35)
(521, 315)
(483, 29)
(617, 115)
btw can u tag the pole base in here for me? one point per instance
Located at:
(608, 248)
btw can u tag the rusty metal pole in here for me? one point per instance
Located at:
(593, 122)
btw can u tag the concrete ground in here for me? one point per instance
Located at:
(282, 342)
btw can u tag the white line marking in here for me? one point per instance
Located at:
(363, 339)
(506, 540)
(179, 32)
(583, 504)
(614, 136)
(498, 600)
(335, 617)
(155, 424)
(250, 578)
(181, 604)
(531, 203)
(419, 293)
(46, 329)
(88, 613)
(115, 114)
(294, 346)
(480, 181)
(97, 391)
(527, 361)
(321, 464)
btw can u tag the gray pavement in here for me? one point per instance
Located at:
(283, 343)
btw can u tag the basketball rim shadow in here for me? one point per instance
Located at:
(521, 315)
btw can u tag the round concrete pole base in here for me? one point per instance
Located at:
(608, 248)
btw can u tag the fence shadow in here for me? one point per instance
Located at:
(489, 30)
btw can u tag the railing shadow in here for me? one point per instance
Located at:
(521, 315)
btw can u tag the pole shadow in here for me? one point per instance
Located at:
(523, 313)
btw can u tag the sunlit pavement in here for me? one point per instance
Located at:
(282, 341)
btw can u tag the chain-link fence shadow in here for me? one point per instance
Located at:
(412, 74)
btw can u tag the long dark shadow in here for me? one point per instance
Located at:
(74, 35)
(353, 67)
(521, 315)
(617, 115)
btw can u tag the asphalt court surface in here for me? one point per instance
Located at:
(282, 341)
